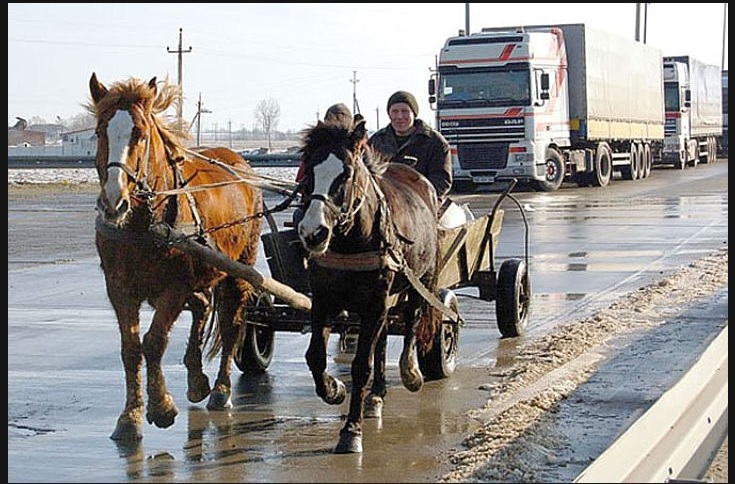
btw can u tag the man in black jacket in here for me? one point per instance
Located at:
(408, 139)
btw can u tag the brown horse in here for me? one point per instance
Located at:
(368, 225)
(147, 177)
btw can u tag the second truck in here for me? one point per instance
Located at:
(546, 104)
(693, 94)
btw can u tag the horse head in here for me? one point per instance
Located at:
(129, 143)
(335, 181)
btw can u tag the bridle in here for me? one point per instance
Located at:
(354, 195)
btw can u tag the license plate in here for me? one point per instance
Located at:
(483, 179)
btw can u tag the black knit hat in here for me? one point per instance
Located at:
(404, 97)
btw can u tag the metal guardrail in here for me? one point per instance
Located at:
(38, 161)
(676, 438)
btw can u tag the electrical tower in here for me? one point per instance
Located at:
(180, 103)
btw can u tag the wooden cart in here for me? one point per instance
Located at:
(467, 260)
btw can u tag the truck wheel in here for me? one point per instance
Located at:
(631, 171)
(256, 352)
(647, 160)
(641, 161)
(603, 167)
(711, 150)
(441, 360)
(513, 301)
(554, 172)
(681, 162)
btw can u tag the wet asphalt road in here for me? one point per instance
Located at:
(65, 379)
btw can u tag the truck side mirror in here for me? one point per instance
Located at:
(544, 86)
(432, 87)
(687, 98)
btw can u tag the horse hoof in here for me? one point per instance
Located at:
(163, 416)
(349, 443)
(338, 393)
(127, 430)
(373, 407)
(411, 375)
(198, 388)
(220, 400)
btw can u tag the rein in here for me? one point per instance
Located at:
(388, 257)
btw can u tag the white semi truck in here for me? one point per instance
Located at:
(546, 104)
(693, 96)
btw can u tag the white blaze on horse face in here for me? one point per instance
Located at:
(324, 175)
(119, 132)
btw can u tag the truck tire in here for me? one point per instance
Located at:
(711, 151)
(603, 166)
(554, 176)
(632, 171)
(647, 160)
(513, 301)
(441, 360)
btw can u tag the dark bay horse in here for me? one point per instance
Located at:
(148, 177)
(367, 224)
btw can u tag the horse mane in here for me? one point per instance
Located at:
(326, 136)
(134, 91)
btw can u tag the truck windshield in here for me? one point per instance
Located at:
(671, 96)
(477, 88)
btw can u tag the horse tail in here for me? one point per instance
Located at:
(430, 321)
(212, 337)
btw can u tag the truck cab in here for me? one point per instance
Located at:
(678, 148)
(498, 109)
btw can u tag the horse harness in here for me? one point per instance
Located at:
(388, 257)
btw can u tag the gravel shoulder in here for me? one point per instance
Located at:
(550, 369)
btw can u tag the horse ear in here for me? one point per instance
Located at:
(96, 88)
(153, 84)
(358, 129)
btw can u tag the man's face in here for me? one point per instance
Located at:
(401, 117)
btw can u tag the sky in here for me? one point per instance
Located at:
(304, 56)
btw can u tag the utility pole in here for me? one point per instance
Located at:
(354, 81)
(180, 104)
(467, 18)
(724, 36)
(200, 111)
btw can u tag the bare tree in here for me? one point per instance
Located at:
(267, 113)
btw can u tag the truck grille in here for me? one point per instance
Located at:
(482, 156)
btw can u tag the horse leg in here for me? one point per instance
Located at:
(161, 409)
(198, 383)
(373, 405)
(411, 375)
(350, 437)
(228, 303)
(332, 390)
(129, 426)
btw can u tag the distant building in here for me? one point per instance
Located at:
(79, 143)
(26, 137)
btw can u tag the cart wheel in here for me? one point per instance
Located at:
(256, 352)
(513, 301)
(441, 360)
